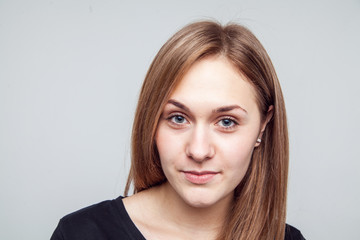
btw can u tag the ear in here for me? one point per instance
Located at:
(269, 115)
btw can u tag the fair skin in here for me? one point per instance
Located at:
(205, 138)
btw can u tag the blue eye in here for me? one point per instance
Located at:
(227, 123)
(178, 119)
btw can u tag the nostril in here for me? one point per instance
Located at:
(202, 154)
(199, 147)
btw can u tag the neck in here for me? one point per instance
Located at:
(192, 219)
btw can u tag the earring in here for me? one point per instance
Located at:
(258, 140)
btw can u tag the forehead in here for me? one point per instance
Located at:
(215, 80)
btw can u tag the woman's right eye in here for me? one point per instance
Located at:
(178, 119)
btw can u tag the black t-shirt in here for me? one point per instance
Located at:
(109, 220)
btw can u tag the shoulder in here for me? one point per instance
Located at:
(104, 220)
(99, 213)
(292, 233)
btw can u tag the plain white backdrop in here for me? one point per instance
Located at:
(70, 74)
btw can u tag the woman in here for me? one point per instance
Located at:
(209, 147)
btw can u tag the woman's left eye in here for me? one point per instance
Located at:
(227, 123)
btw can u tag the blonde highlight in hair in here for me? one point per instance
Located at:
(259, 208)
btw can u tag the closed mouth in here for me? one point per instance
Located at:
(201, 172)
(199, 177)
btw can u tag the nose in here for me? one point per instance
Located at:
(199, 147)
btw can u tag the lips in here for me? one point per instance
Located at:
(199, 178)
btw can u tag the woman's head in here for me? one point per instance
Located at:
(207, 133)
(263, 187)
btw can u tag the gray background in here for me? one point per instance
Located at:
(70, 73)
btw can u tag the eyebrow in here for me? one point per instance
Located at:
(228, 108)
(218, 110)
(179, 105)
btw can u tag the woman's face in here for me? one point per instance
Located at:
(207, 132)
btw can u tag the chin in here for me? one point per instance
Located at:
(199, 203)
(201, 200)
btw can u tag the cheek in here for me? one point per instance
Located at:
(238, 153)
(168, 145)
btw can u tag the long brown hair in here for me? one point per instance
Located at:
(259, 208)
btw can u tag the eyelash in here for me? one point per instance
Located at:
(227, 128)
(171, 120)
